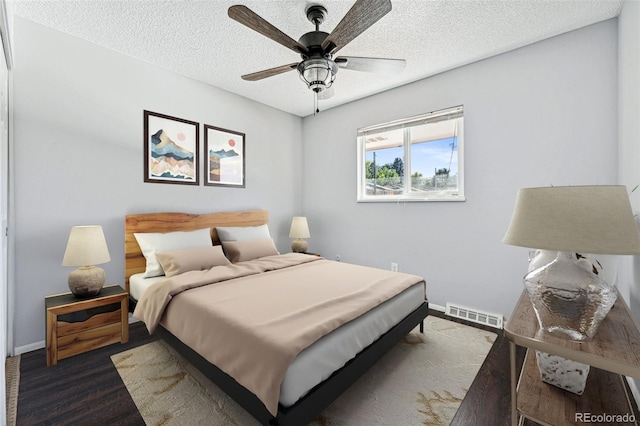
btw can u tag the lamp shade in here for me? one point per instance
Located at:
(583, 219)
(86, 246)
(299, 228)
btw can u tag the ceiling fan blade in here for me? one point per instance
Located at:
(362, 15)
(270, 72)
(377, 65)
(326, 94)
(249, 18)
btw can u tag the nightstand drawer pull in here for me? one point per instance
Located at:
(85, 314)
(66, 328)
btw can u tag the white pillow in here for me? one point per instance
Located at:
(152, 242)
(243, 233)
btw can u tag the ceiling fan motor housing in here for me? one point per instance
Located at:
(313, 41)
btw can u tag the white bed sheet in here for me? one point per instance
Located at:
(316, 363)
(138, 284)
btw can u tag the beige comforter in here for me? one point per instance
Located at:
(252, 324)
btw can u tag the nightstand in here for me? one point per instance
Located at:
(75, 326)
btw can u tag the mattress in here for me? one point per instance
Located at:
(317, 362)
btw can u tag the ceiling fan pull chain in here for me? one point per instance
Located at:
(315, 103)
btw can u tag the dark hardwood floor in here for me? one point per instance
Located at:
(488, 401)
(87, 390)
(83, 390)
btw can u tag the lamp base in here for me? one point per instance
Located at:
(563, 373)
(86, 281)
(299, 246)
(568, 298)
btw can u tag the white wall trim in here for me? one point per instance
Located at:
(634, 389)
(30, 347)
(438, 308)
(5, 33)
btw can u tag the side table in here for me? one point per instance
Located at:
(75, 326)
(614, 352)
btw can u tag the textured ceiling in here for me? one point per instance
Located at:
(198, 39)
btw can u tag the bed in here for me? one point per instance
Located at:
(335, 358)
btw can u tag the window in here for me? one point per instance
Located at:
(414, 159)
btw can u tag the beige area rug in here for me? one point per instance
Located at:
(421, 381)
(12, 382)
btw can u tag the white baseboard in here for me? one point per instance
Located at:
(436, 307)
(30, 347)
(39, 345)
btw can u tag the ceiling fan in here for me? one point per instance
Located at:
(319, 67)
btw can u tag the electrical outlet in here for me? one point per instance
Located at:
(394, 267)
(337, 258)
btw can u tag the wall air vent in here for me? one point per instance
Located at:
(474, 315)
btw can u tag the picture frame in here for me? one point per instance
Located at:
(224, 159)
(171, 149)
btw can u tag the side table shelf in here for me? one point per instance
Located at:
(612, 353)
(75, 326)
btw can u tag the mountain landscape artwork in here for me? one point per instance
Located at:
(225, 149)
(168, 159)
(171, 146)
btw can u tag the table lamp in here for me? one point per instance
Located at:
(299, 230)
(568, 298)
(86, 248)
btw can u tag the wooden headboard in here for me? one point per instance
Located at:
(134, 261)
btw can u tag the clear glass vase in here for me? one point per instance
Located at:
(568, 298)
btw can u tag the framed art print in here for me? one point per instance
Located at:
(170, 149)
(225, 157)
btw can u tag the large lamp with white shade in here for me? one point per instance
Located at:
(86, 248)
(567, 297)
(568, 293)
(299, 230)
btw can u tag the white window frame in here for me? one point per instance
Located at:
(432, 117)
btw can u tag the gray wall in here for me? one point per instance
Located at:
(629, 133)
(629, 142)
(543, 114)
(78, 138)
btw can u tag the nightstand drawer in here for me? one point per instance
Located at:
(84, 341)
(99, 320)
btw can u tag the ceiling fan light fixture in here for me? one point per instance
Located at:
(318, 73)
(317, 48)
